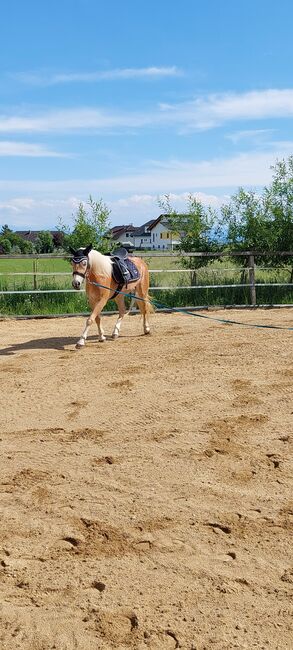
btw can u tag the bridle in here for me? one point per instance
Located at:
(78, 260)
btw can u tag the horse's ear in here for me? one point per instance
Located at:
(72, 250)
(88, 249)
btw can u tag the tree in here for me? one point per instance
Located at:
(5, 230)
(44, 243)
(278, 199)
(5, 246)
(196, 227)
(263, 222)
(247, 223)
(17, 243)
(58, 239)
(91, 226)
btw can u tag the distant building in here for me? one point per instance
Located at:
(162, 235)
(122, 235)
(32, 235)
(132, 236)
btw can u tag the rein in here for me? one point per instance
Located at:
(191, 313)
(161, 305)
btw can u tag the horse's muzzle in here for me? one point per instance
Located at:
(76, 284)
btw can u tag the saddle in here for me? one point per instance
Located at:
(124, 270)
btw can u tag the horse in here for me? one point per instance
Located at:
(94, 268)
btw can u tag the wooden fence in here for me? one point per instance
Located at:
(248, 269)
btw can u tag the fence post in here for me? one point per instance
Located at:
(35, 268)
(251, 275)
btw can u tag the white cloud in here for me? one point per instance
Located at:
(138, 201)
(28, 150)
(214, 110)
(135, 200)
(163, 177)
(202, 113)
(35, 213)
(152, 72)
(252, 135)
(133, 197)
(80, 119)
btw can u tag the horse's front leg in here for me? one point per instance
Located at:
(90, 320)
(83, 338)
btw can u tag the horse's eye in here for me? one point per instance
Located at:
(84, 262)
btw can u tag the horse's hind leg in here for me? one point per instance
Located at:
(122, 311)
(144, 308)
(102, 337)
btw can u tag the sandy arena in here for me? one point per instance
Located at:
(146, 485)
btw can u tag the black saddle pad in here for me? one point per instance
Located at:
(124, 271)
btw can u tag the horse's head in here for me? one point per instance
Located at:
(80, 264)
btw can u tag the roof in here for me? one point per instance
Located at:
(32, 235)
(145, 228)
(163, 219)
(117, 231)
(138, 231)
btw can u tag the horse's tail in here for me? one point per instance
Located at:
(148, 304)
(145, 301)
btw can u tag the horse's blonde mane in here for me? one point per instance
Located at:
(100, 264)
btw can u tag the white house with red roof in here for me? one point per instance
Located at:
(155, 234)
(162, 235)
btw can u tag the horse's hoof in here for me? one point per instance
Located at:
(78, 346)
(102, 339)
(147, 332)
(115, 336)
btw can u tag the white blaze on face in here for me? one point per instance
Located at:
(78, 279)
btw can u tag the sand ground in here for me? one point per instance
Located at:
(146, 485)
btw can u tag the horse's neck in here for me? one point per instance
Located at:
(100, 264)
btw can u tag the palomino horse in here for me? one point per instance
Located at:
(93, 267)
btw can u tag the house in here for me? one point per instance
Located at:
(162, 235)
(132, 236)
(142, 235)
(123, 235)
(32, 235)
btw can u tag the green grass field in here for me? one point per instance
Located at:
(32, 276)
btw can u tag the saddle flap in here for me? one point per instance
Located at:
(124, 270)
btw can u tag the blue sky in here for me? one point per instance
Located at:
(130, 100)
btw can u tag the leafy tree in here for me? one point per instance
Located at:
(44, 243)
(58, 239)
(278, 198)
(5, 246)
(5, 230)
(196, 228)
(263, 222)
(27, 247)
(91, 226)
(17, 244)
(247, 223)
